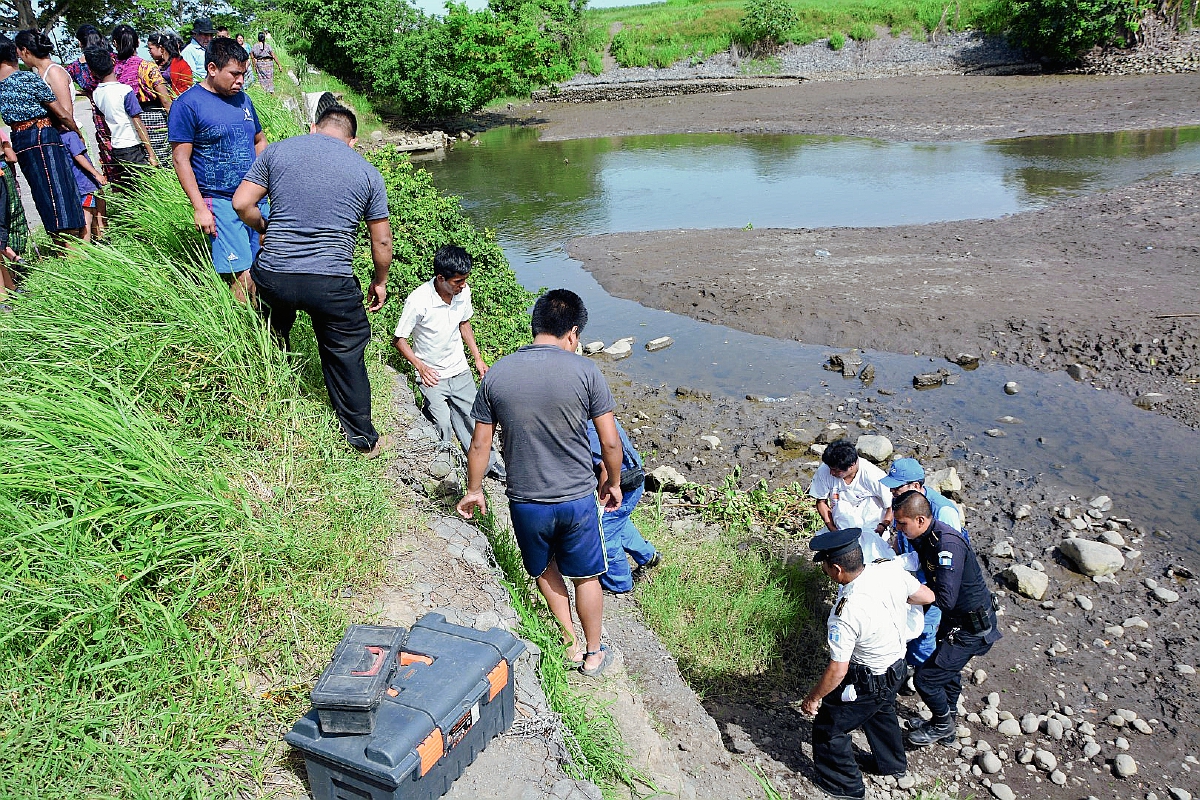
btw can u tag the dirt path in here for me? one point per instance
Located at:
(898, 109)
(1082, 282)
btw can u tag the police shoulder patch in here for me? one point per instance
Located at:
(837, 612)
(945, 559)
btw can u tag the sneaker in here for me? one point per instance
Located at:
(654, 561)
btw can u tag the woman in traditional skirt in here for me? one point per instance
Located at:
(26, 104)
(145, 78)
(88, 36)
(265, 62)
(18, 226)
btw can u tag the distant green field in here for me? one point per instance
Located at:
(664, 33)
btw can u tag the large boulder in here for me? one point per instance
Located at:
(665, 478)
(1092, 558)
(944, 480)
(1027, 581)
(876, 448)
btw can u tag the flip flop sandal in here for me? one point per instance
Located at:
(569, 664)
(598, 670)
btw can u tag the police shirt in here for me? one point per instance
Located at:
(867, 622)
(952, 571)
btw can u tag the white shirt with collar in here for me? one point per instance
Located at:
(868, 622)
(433, 324)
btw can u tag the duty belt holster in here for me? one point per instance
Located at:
(977, 621)
(868, 684)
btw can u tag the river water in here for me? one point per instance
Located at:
(537, 195)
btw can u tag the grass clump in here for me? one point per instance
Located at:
(837, 40)
(862, 32)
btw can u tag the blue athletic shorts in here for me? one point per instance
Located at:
(568, 532)
(235, 245)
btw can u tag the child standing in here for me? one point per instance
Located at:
(89, 180)
(122, 112)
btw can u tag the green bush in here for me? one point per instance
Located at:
(837, 40)
(862, 32)
(766, 23)
(1060, 31)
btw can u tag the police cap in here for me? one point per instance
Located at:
(834, 543)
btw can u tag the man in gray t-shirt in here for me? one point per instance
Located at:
(320, 191)
(542, 397)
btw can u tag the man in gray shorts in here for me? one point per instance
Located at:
(542, 396)
(320, 191)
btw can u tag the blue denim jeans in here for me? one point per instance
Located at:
(621, 536)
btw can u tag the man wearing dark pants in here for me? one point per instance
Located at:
(968, 626)
(866, 663)
(320, 190)
(542, 396)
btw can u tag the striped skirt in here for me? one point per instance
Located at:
(155, 120)
(47, 169)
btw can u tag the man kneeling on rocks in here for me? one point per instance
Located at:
(866, 664)
(968, 627)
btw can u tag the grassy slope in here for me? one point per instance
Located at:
(664, 33)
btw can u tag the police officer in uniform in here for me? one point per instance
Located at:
(968, 627)
(866, 666)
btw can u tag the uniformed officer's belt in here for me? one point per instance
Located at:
(976, 621)
(867, 683)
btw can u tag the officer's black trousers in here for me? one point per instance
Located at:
(939, 679)
(335, 305)
(833, 752)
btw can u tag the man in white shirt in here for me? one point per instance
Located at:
(202, 33)
(849, 494)
(437, 315)
(866, 634)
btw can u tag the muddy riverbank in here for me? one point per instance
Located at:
(1092, 281)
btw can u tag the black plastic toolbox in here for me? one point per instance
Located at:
(349, 690)
(451, 694)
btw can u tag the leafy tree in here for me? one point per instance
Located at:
(765, 24)
(1060, 31)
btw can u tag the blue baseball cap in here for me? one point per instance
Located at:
(904, 470)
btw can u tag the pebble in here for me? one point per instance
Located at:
(1029, 723)
(989, 717)
(1087, 729)
(979, 677)
(1058, 778)
(1026, 755)
(661, 343)
(1054, 729)
(1165, 595)
(1129, 716)
(1012, 387)
(1115, 631)
(1045, 760)
(1090, 750)
(1125, 765)
(906, 781)
(1185, 669)
(1121, 743)
(1179, 794)
(1113, 538)
(1142, 726)
(1135, 622)
(1010, 727)
(990, 763)
(1116, 720)
(993, 700)
(1023, 512)
(1001, 792)
(1083, 603)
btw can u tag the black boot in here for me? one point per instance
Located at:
(938, 729)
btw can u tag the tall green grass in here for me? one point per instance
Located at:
(662, 34)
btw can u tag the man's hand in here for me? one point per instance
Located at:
(481, 367)
(611, 497)
(205, 221)
(429, 375)
(471, 501)
(811, 706)
(378, 294)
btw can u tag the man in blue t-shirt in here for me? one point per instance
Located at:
(215, 136)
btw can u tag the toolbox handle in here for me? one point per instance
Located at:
(378, 653)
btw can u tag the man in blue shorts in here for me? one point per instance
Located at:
(542, 397)
(215, 137)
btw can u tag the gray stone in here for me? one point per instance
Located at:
(1010, 727)
(1026, 581)
(907, 781)
(1079, 524)
(1135, 622)
(1001, 792)
(591, 348)
(1121, 743)
(995, 433)
(661, 343)
(990, 763)
(928, 380)
(692, 393)
(1083, 602)
(846, 363)
(944, 480)
(1185, 669)
(1124, 765)
(831, 434)
(989, 717)
(1012, 387)
(1150, 400)
(1002, 550)
(1092, 558)
(1091, 750)
(1058, 777)
(1045, 760)
(876, 448)
(1165, 595)
(979, 676)
(1076, 372)
(486, 620)
(1127, 714)
(1054, 729)
(1111, 537)
(473, 556)
(666, 478)
(619, 349)
(1023, 512)
(993, 700)
(711, 441)
(1142, 726)
(796, 439)
(964, 360)
(1101, 502)
(867, 376)
(1179, 794)
(1116, 720)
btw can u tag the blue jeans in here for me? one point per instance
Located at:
(921, 648)
(621, 536)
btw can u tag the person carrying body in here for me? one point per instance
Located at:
(542, 396)
(622, 539)
(849, 495)
(866, 635)
(437, 315)
(968, 625)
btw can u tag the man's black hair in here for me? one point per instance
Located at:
(8, 50)
(851, 560)
(125, 41)
(450, 261)
(912, 504)
(840, 455)
(99, 61)
(340, 116)
(221, 50)
(557, 311)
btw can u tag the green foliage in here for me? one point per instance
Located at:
(837, 40)
(766, 24)
(423, 220)
(1060, 31)
(443, 65)
(862, 32)
(787, 511)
